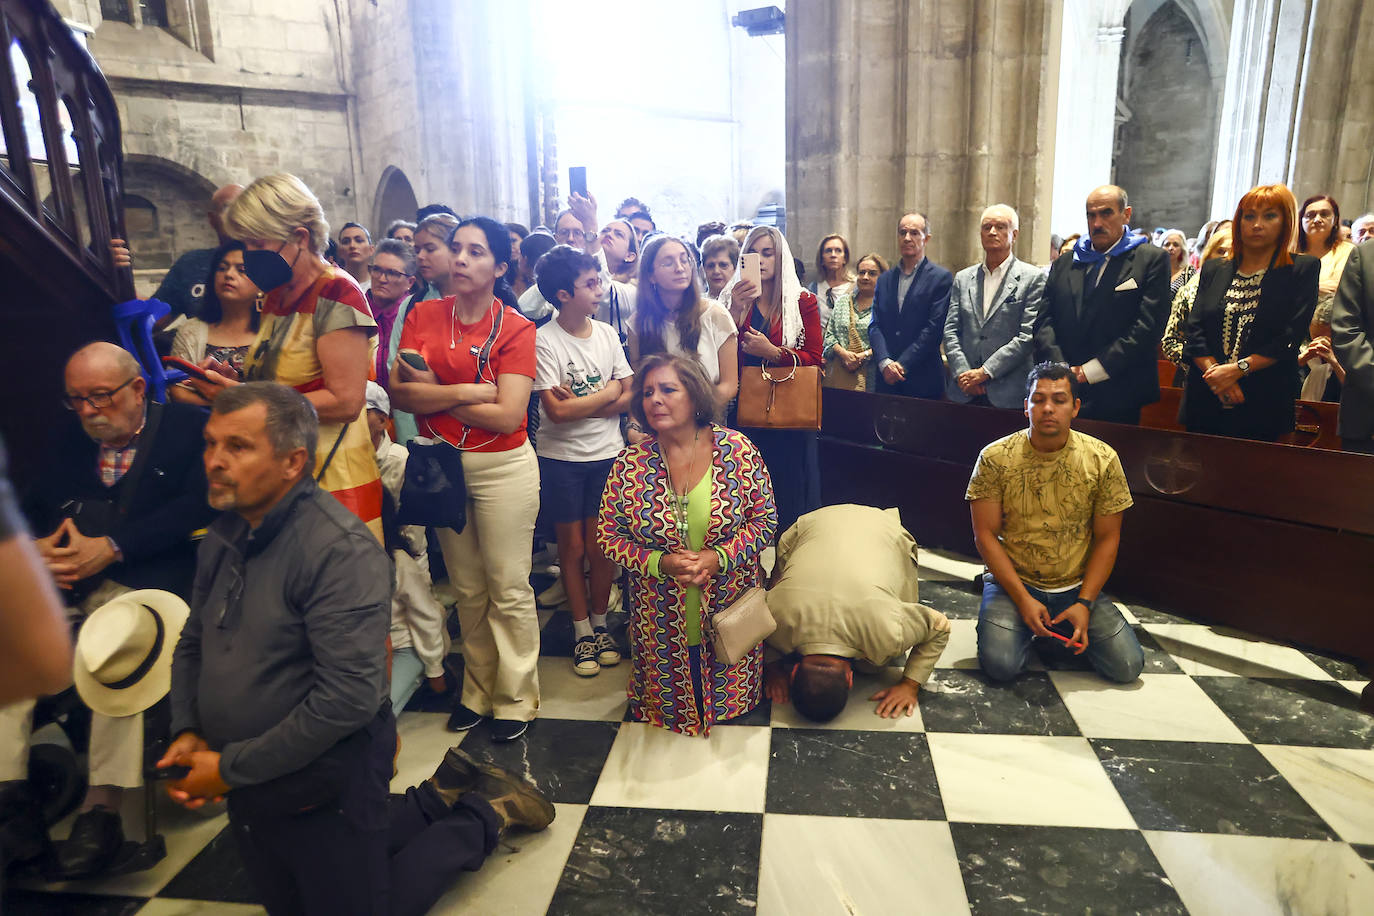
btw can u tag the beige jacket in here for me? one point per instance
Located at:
(845, 584)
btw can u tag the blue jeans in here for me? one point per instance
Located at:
(1004, 640)
(407, 671)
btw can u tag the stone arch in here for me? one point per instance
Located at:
(1167, 110)
(395, 200)
(171, 200)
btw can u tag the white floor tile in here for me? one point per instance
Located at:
(164, 906)
(521, 875)
(1211, 650)
(652, 767)
(565, 695)
(844, 865)
(423, 743)
(859, 711)
(962, 649)
(1258, 876)
(1025, 779)
(1126, 612)
(953, 565)
(1337, 782)
(1165, 707)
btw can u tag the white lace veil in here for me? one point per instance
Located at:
(787, 275)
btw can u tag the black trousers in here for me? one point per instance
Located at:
(339, 860)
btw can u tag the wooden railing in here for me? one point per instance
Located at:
(60, 204)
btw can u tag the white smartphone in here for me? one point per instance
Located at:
(749, 268)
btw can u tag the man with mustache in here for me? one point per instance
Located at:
(1104, 310)
(121, 496)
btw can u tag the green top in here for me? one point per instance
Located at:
(698, 520)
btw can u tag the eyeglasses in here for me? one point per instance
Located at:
(384, 274)
(592, 283)
(100, 400)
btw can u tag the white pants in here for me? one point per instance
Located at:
(116, 751)
(489, 569)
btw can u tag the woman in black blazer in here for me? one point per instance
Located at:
(1251, 312)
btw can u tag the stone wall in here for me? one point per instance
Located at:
(1165, 147)
(943, 106)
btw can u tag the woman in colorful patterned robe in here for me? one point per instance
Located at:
(687, 511)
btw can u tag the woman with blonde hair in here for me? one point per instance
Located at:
(779, 325)
(672, 317)
(1171, 346)
(1251, 312)
(1175, 244)
(316, 333)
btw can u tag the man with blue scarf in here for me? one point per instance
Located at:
(1104, 310)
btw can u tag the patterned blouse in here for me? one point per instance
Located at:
(1241, 305)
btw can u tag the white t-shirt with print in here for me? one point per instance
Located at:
(583, 365)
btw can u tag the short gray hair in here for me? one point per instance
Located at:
(397, 248)
(291, 419)
(1004, 210)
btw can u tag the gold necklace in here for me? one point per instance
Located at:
(681, 501)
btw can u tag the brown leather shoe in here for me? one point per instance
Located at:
(456, 775)
(515, 801)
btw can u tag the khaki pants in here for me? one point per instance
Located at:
(116, 751)
(489, 569)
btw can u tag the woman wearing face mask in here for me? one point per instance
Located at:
(1243, 331)
(316, 334)
(719, 258)
(228, 324)
(672, 317)
(475, 395)
(779, 325)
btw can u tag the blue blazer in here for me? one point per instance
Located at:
(911, 333)
(999, 343)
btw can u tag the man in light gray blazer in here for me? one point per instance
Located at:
(991, 321)
(1352, 339)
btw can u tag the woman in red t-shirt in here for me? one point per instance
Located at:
(481, 410)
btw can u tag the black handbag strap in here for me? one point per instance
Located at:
(330, 457)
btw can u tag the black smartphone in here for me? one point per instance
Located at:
(414, 360)
(175, 771)
(577, 180)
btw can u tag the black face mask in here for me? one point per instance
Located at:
(268, 269)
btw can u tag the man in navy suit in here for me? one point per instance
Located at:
(909, 316)
(1104, 311)
(992, 312)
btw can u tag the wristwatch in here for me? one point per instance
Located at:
(589, 237)
(1243, 365)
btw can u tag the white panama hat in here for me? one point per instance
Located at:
(123, 658)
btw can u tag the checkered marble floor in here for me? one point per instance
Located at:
(1236, 777)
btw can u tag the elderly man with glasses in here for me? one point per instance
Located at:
(121, 497)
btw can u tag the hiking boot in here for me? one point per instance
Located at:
(515, 801)
(456, 775)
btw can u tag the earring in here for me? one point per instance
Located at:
(258, 301)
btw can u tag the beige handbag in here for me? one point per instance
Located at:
(791, 401)
(736, 630)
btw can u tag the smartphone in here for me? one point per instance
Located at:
(750, 268)
(191, 369)
(175, 771)
(414, 360)
(577, 180)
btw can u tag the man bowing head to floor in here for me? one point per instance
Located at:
(844, 596)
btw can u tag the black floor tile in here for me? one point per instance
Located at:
(216, 873)
(1202, 787)
(841, 773)
(1151, 615)
(1366, 851)
(37, 903)
(1339, 668)
(563, 757)
(645, 862)
(958, 700)
(1292, 711)
(956, 600)
(1017, 870)
(557, 638)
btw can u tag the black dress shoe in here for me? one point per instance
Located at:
(95, 840)
(462, 719)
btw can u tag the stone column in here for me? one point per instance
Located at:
(1090, 64)
(943, 106)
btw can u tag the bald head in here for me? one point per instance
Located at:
(103, 372)
(219, 202)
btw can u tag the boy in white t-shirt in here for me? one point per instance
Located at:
(579, 376)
